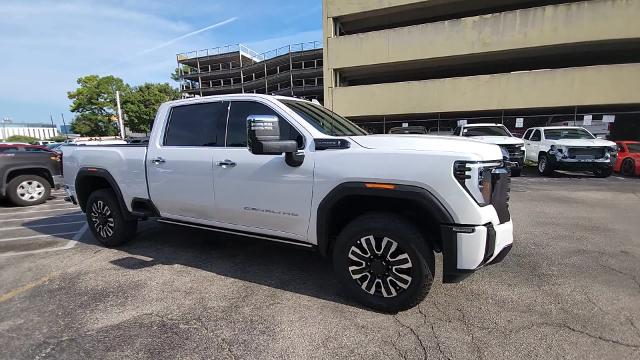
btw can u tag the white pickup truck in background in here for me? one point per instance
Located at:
(499, 135)
(569, 148)
(290, 171)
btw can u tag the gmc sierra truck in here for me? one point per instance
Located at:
(293, 172)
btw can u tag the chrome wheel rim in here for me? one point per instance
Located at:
(102, 219)
(30, 190)
(379, 266)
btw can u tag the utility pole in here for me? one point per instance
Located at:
(120, 121)
(66, 131)
(52, 124)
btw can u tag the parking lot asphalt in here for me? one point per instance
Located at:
(569, 289)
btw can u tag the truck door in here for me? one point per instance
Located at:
(533, 145)
(261, 191)
(180, 160)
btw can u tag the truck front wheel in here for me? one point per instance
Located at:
(384, 262)
(106, 221)
(545, 167)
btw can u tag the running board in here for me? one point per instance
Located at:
(237, 232)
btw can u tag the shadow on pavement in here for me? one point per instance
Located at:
(257, 261)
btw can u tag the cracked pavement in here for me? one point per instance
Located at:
(569, 289)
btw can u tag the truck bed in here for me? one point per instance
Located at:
(125, 163)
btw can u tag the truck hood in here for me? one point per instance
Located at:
(581, 142)
(499, 140)
(450, 144)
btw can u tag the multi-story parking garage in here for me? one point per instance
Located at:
(293, 70)
(434, 62)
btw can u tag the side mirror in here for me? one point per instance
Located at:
(263, 138)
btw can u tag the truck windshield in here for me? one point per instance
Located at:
(324, 120)
(485, 131)
(568, 133)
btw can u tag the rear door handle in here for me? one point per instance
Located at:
(157, 161)
(226, 163)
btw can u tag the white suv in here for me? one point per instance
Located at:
(569, 148)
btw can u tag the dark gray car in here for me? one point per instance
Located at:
(27, 177)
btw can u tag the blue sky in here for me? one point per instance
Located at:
(46, 45)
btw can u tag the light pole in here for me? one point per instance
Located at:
(120, 121)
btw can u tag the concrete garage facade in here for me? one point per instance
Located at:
(403, 60)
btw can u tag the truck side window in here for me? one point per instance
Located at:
(536, 136)
(196, 125)
(526, 134)
(456, 132)
(237, 125)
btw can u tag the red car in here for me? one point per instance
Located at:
(628, 162)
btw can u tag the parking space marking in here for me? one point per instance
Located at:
(36, 211)
(43, 217)
(23, 288)
(43, 225)
(71, 243)
(38, 236)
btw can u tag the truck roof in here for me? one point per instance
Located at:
(484, 124)
(234, 96)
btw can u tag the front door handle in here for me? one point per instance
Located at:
(157, 161)
(226, 164)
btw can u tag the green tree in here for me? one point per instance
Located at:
(91, 124)
(95, 103)
(141, 104)
(58, 138)
(175, 76)
(22, 139)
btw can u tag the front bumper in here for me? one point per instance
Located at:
(584, 165)
(466, 249)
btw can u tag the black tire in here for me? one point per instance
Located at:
(106, 220)
(37, 192)
(603, 172)
(544, 165)
(410, 243)
(628, 167)
(516, 172)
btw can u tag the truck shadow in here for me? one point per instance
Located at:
(257, 261)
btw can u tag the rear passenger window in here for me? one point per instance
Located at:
(197, 125)
(8, 149)
(237, 126)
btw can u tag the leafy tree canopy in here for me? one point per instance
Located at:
(141, 104)
(91, 124)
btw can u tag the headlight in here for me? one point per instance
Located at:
(475, 178)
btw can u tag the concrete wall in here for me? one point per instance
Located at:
(535, 27)
(41, 133)
(593, 85)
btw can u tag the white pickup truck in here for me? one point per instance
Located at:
(569, 148)
(290, 171)
(499, 135)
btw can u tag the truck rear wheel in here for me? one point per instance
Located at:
(26, 190)
(384, 262)
(106, 220)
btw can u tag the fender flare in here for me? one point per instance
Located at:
(3, 186)
(86, 172)
(423, 197)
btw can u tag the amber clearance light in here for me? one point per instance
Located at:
(380, 186)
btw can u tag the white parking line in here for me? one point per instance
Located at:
(68, 245)
(38, 236)
(43, 217)
(37, 207)
(43, 225)
(35, 211)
